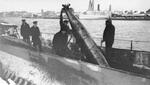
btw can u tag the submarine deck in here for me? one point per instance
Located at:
(66, 71)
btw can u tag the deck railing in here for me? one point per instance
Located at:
(118, 43)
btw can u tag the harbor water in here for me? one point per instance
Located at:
(126, 31)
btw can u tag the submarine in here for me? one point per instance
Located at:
(24, 65)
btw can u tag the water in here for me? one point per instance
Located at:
(125, 31)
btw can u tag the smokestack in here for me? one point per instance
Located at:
(98, 7)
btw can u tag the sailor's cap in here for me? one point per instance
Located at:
(109, 20)
(66, 21)
(23, 20)
(34, 22)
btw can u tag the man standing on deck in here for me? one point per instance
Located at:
(108, 37)
(25, 31)
(35, 33)
(60, 39)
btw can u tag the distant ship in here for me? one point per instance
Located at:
(94, 14)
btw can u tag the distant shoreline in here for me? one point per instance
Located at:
(113, 18)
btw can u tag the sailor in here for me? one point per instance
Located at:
(60, 40)
(108, 37)
(25, 31)
(35, 33)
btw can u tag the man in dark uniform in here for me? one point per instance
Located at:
(60, 39)
(25, 31)
(108, 37)
(60, 42)
(35, 33)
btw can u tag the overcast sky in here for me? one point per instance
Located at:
(78, 5)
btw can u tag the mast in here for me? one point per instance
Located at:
(110, 13)
(91, 5)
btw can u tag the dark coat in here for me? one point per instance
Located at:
(25, 30)
(60, 40)
(35, 33)
(109, 33)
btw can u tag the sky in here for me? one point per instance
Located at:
(78, 5)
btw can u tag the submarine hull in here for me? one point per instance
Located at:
(20, 61)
